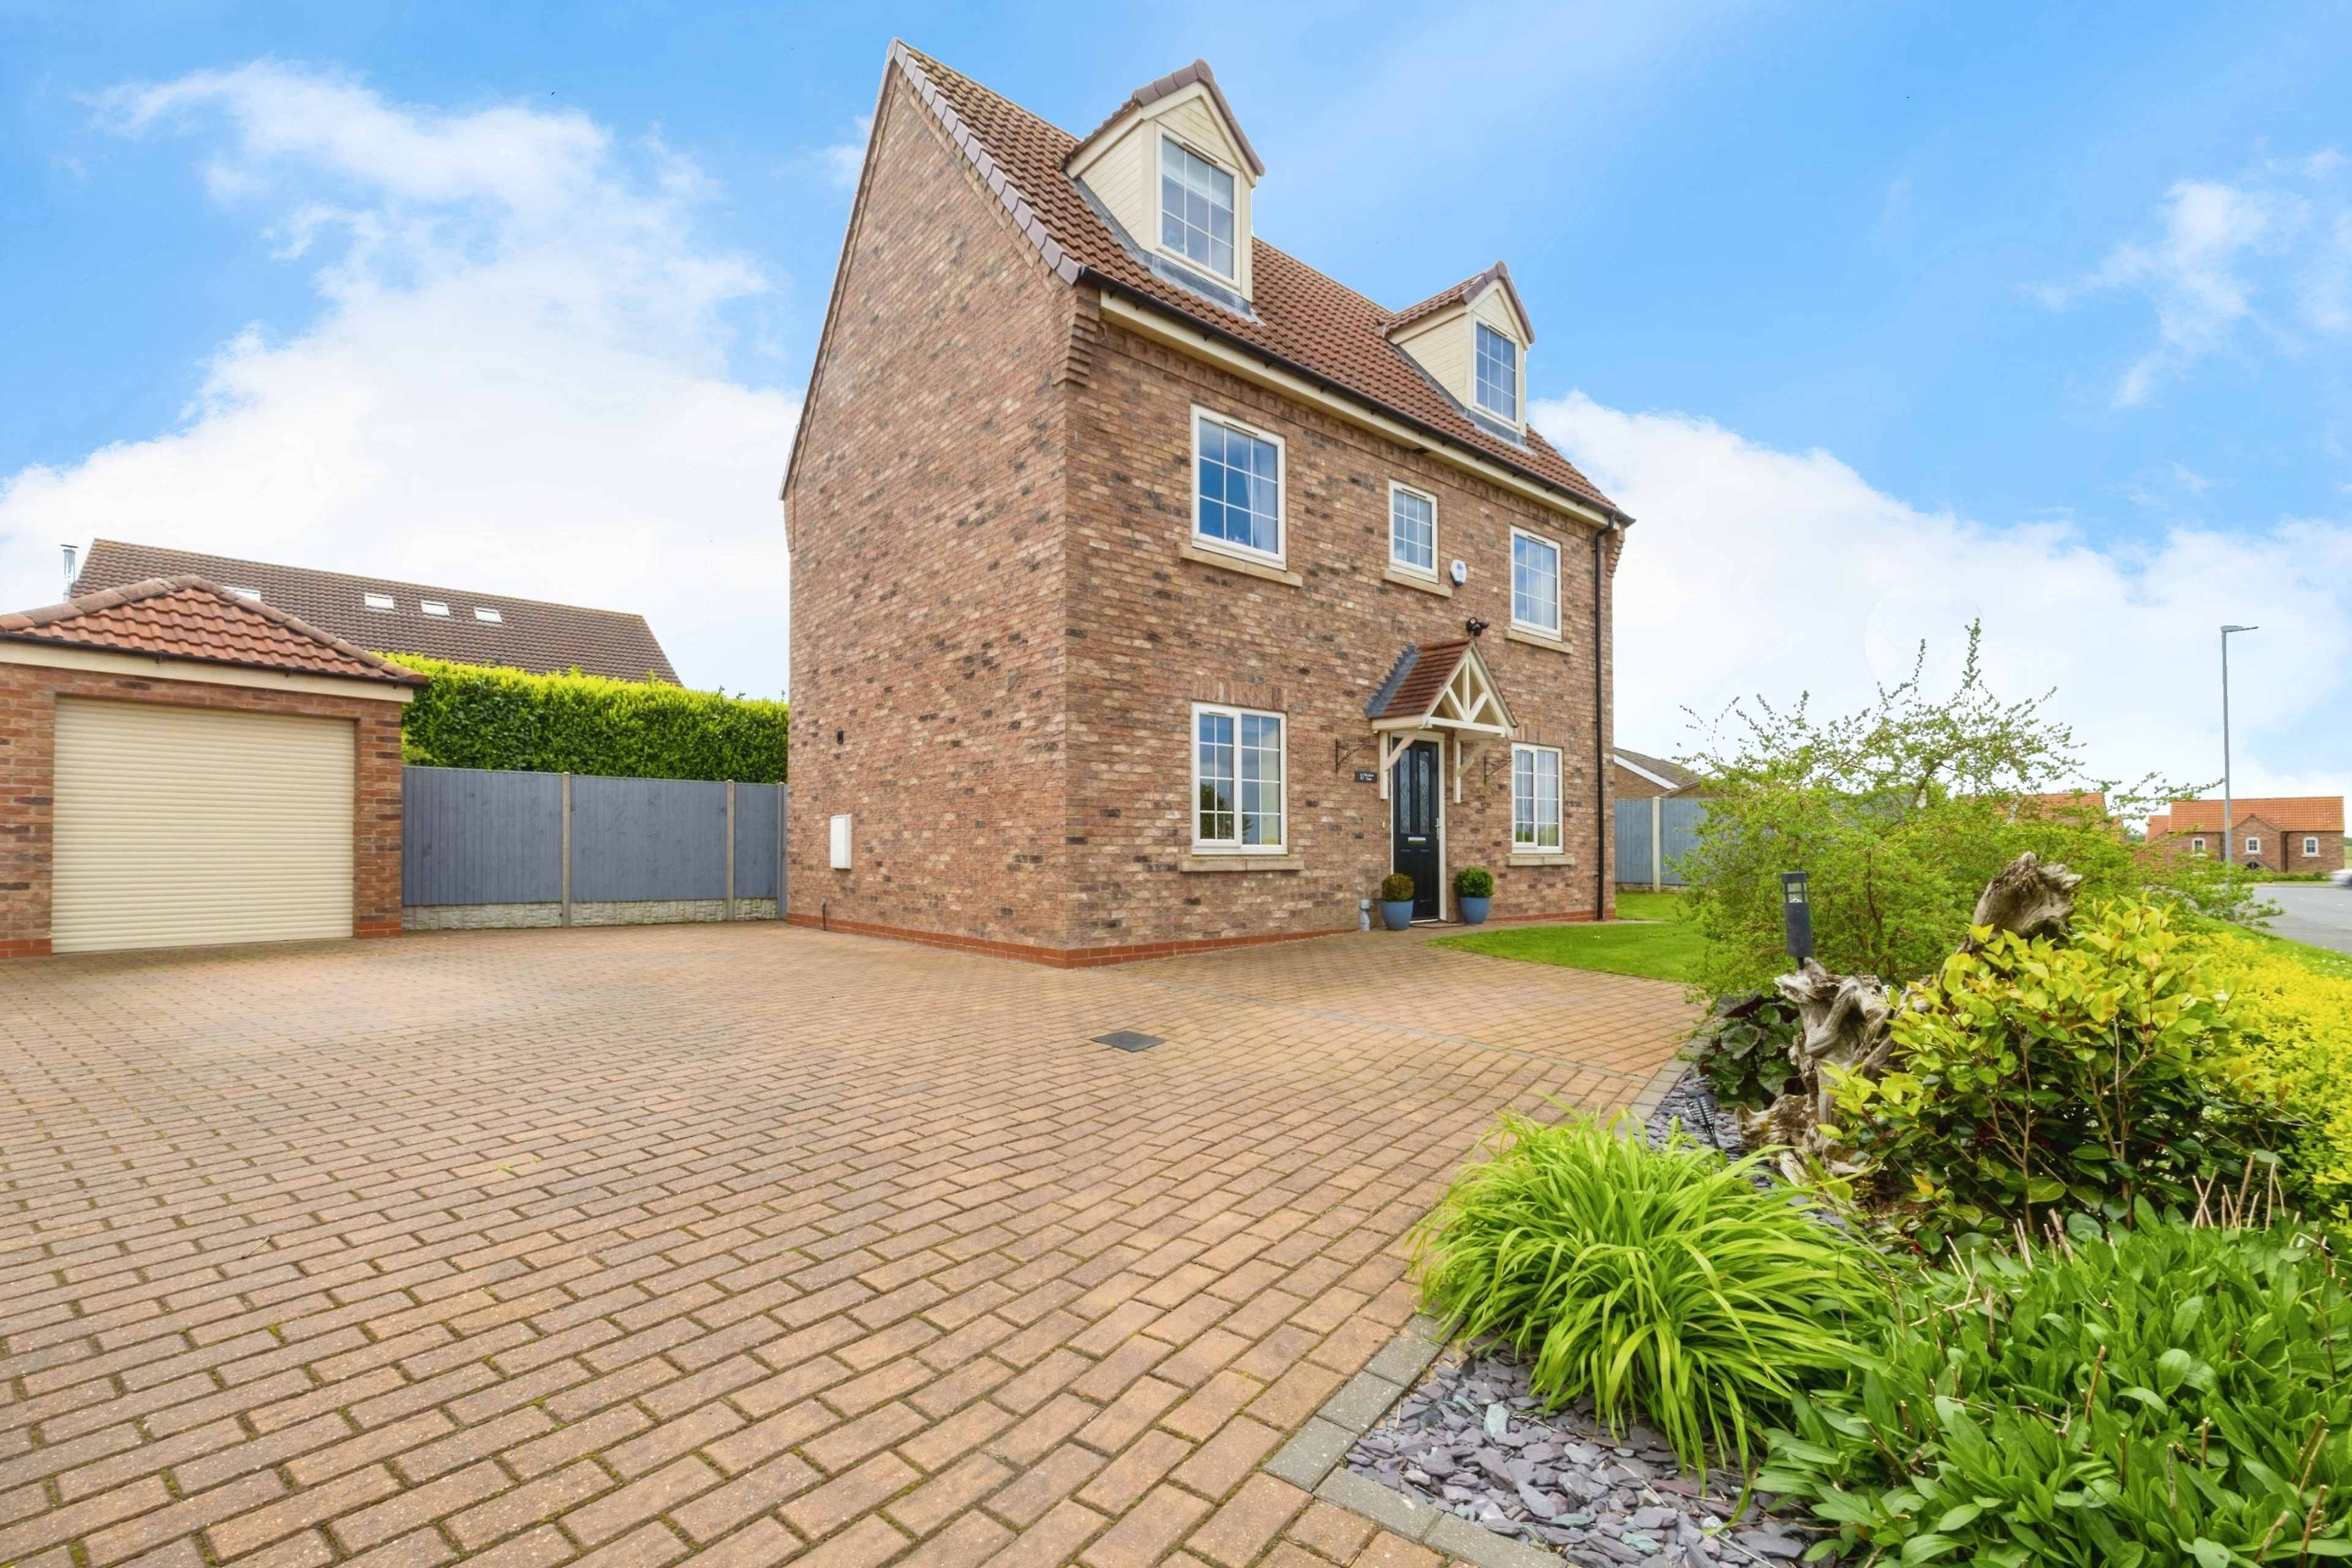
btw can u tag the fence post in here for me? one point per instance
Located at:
(1658, 844)
(730, 849)
(780, 849)
(566, 918)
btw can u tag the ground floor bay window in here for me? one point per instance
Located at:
(1535, 800)
(1237, 782)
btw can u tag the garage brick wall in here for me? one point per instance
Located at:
(29, 695)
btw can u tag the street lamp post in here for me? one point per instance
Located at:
(2229, 810)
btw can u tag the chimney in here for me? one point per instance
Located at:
(70, 553)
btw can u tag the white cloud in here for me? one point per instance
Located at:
(2217, 249)
(517, 380)
(1755, 570)
(844, 159)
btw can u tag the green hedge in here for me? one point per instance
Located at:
(474, 716)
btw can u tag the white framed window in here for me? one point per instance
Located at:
(1535, 584)
(2197, 846)
(433, 607)
(2310, 847)
(1196, 209)
(1412, 530)
(1499, 373)
(378, 601)
(1237, 780)
(1236, 486)
(1535, 800)
(483, 613)
(2253, 845)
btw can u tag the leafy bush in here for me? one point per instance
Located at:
(476, 716)
(2164, 1395)
(1742, 1049)
(2294, 1022)
(1901, 813)
(1395, 888)
(1656, 1278)
(1474, 882)
(2082, 1075)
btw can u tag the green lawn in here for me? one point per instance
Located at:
(1645, 940)
(2323, 959)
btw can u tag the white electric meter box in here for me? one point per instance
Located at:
(841, 842)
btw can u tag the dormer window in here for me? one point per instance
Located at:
(1196, 209)
(1499, 373)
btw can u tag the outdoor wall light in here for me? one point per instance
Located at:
(1796, 915)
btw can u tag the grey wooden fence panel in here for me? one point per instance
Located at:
(469, 836)
(1633, 840)
(1678, 830)
(755, 840)
(647, 839)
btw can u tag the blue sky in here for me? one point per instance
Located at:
(1879, 317)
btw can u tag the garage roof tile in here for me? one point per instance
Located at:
(196, 619)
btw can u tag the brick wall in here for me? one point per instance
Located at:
(29, 695)
(927, 613)
(1152, 633)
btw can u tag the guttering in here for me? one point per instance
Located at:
(1136, 306)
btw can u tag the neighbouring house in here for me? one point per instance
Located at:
(1153, 591)
(454, 624)
(1639, 777)
(180, 766)
(2276, 832)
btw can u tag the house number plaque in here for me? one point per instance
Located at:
(1366, 775)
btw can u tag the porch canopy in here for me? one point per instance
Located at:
(1438, 692)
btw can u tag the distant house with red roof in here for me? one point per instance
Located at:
(1152, 590)
(2277, 833)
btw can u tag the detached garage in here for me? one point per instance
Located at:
(182, 766)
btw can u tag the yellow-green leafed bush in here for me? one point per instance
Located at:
(2296, 1025)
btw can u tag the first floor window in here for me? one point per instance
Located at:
(1535, 798)
(1412, 530)
(2197, 846)
(1535, 584)
(1239, 494)
(1236, 779)
(2253, 845)
(2310, 848)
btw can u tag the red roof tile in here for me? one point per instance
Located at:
(1298, 316)
(195, 619)
(2290, 813)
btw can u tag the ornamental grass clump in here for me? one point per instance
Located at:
(2165, 1394)
(1657, 1280)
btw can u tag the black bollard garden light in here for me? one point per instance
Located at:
(1796, 915)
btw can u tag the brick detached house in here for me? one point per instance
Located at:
(2280, 833)
(1152, 591)
(180, 766)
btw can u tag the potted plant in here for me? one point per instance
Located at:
(1396, 901)
(1474, 891)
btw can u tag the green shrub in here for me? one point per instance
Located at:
(1395, 888)
(1901, 813)
(1742, 1049)
(2163, 1396)
(1474, 882)
(476, 716)
(1661, 1280)
(2294, 1023)
(2078, 1076)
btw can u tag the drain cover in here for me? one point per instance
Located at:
(1128, 1040)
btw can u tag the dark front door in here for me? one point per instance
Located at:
(1413, 789)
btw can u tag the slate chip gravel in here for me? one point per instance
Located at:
(1472, 1439)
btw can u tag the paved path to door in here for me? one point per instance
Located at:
(613, 1246)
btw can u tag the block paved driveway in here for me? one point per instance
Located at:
(610, 1247)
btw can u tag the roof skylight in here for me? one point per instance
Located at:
(484, 613)
(433, 607)
(379, 601)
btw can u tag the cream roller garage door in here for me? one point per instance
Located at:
(179, 826)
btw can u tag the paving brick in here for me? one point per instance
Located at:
(1043, 1484)
(1241, 1529)
(1146, 1532)
(1041, 1243)
(1332, 1532)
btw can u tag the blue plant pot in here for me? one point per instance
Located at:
(1398, 915)
(1473, 910)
